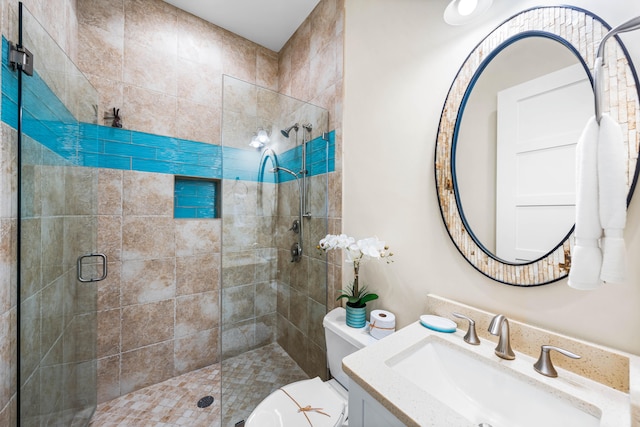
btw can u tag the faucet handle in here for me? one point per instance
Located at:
(544, 364)
(471, 337)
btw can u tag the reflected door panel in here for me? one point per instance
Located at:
(539, 124)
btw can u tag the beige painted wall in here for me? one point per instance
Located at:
(400, 60)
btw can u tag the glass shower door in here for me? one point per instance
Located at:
(57, 230)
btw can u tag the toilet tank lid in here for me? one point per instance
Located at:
(336, 321)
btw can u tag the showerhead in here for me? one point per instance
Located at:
(286, 131)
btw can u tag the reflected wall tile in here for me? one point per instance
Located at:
(147, 324)
(147, 193)
(159, 111)
(198, 273)
(110, 192)
(108, 333)
(323, 70)
(146, 366)
(238, 268)
(195, 236)
(146, 237)
(196, 313)
(196, 351)
(147, 280)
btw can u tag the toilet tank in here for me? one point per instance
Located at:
(342, 340)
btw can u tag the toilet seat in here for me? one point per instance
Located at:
(325, 407)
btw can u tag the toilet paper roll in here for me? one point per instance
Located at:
(381, 323)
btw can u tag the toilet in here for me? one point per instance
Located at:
(315, 402)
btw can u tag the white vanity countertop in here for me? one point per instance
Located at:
(416, 407)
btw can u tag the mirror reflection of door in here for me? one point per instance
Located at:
(476, 159)
(539, 124)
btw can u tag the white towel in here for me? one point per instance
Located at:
(612, 193)
(586, 258)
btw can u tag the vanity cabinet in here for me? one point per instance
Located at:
(365, 411)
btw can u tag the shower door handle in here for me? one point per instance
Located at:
(103, 257)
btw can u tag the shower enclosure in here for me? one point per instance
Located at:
(274, 280)
(57, 207)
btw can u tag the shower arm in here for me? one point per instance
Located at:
(598, 89)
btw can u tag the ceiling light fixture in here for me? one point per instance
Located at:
(460, 12)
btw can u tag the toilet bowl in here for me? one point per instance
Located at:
(315, 402)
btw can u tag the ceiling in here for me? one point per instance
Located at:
(269, 23)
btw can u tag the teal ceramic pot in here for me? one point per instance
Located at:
(356, 316)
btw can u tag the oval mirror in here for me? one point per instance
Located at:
(505, 168)
(524, 113)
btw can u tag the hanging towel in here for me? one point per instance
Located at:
(612, 192)
(586, 257)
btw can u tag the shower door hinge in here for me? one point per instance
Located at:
(21, 58)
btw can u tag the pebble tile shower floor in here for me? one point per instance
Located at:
(248, 378)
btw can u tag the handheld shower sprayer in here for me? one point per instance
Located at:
(280, 168)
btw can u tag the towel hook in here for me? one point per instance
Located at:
(630, 25)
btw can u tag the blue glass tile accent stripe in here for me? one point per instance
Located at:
(195, 198)
(47, 121)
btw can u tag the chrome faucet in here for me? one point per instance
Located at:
(499, 326)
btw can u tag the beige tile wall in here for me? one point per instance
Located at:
(158, 312)
(177, 93)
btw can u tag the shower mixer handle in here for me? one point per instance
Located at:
(295, 227)
(296, 252)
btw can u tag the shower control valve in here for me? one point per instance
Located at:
(295, 227)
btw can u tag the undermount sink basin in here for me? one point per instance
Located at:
(484, 390)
